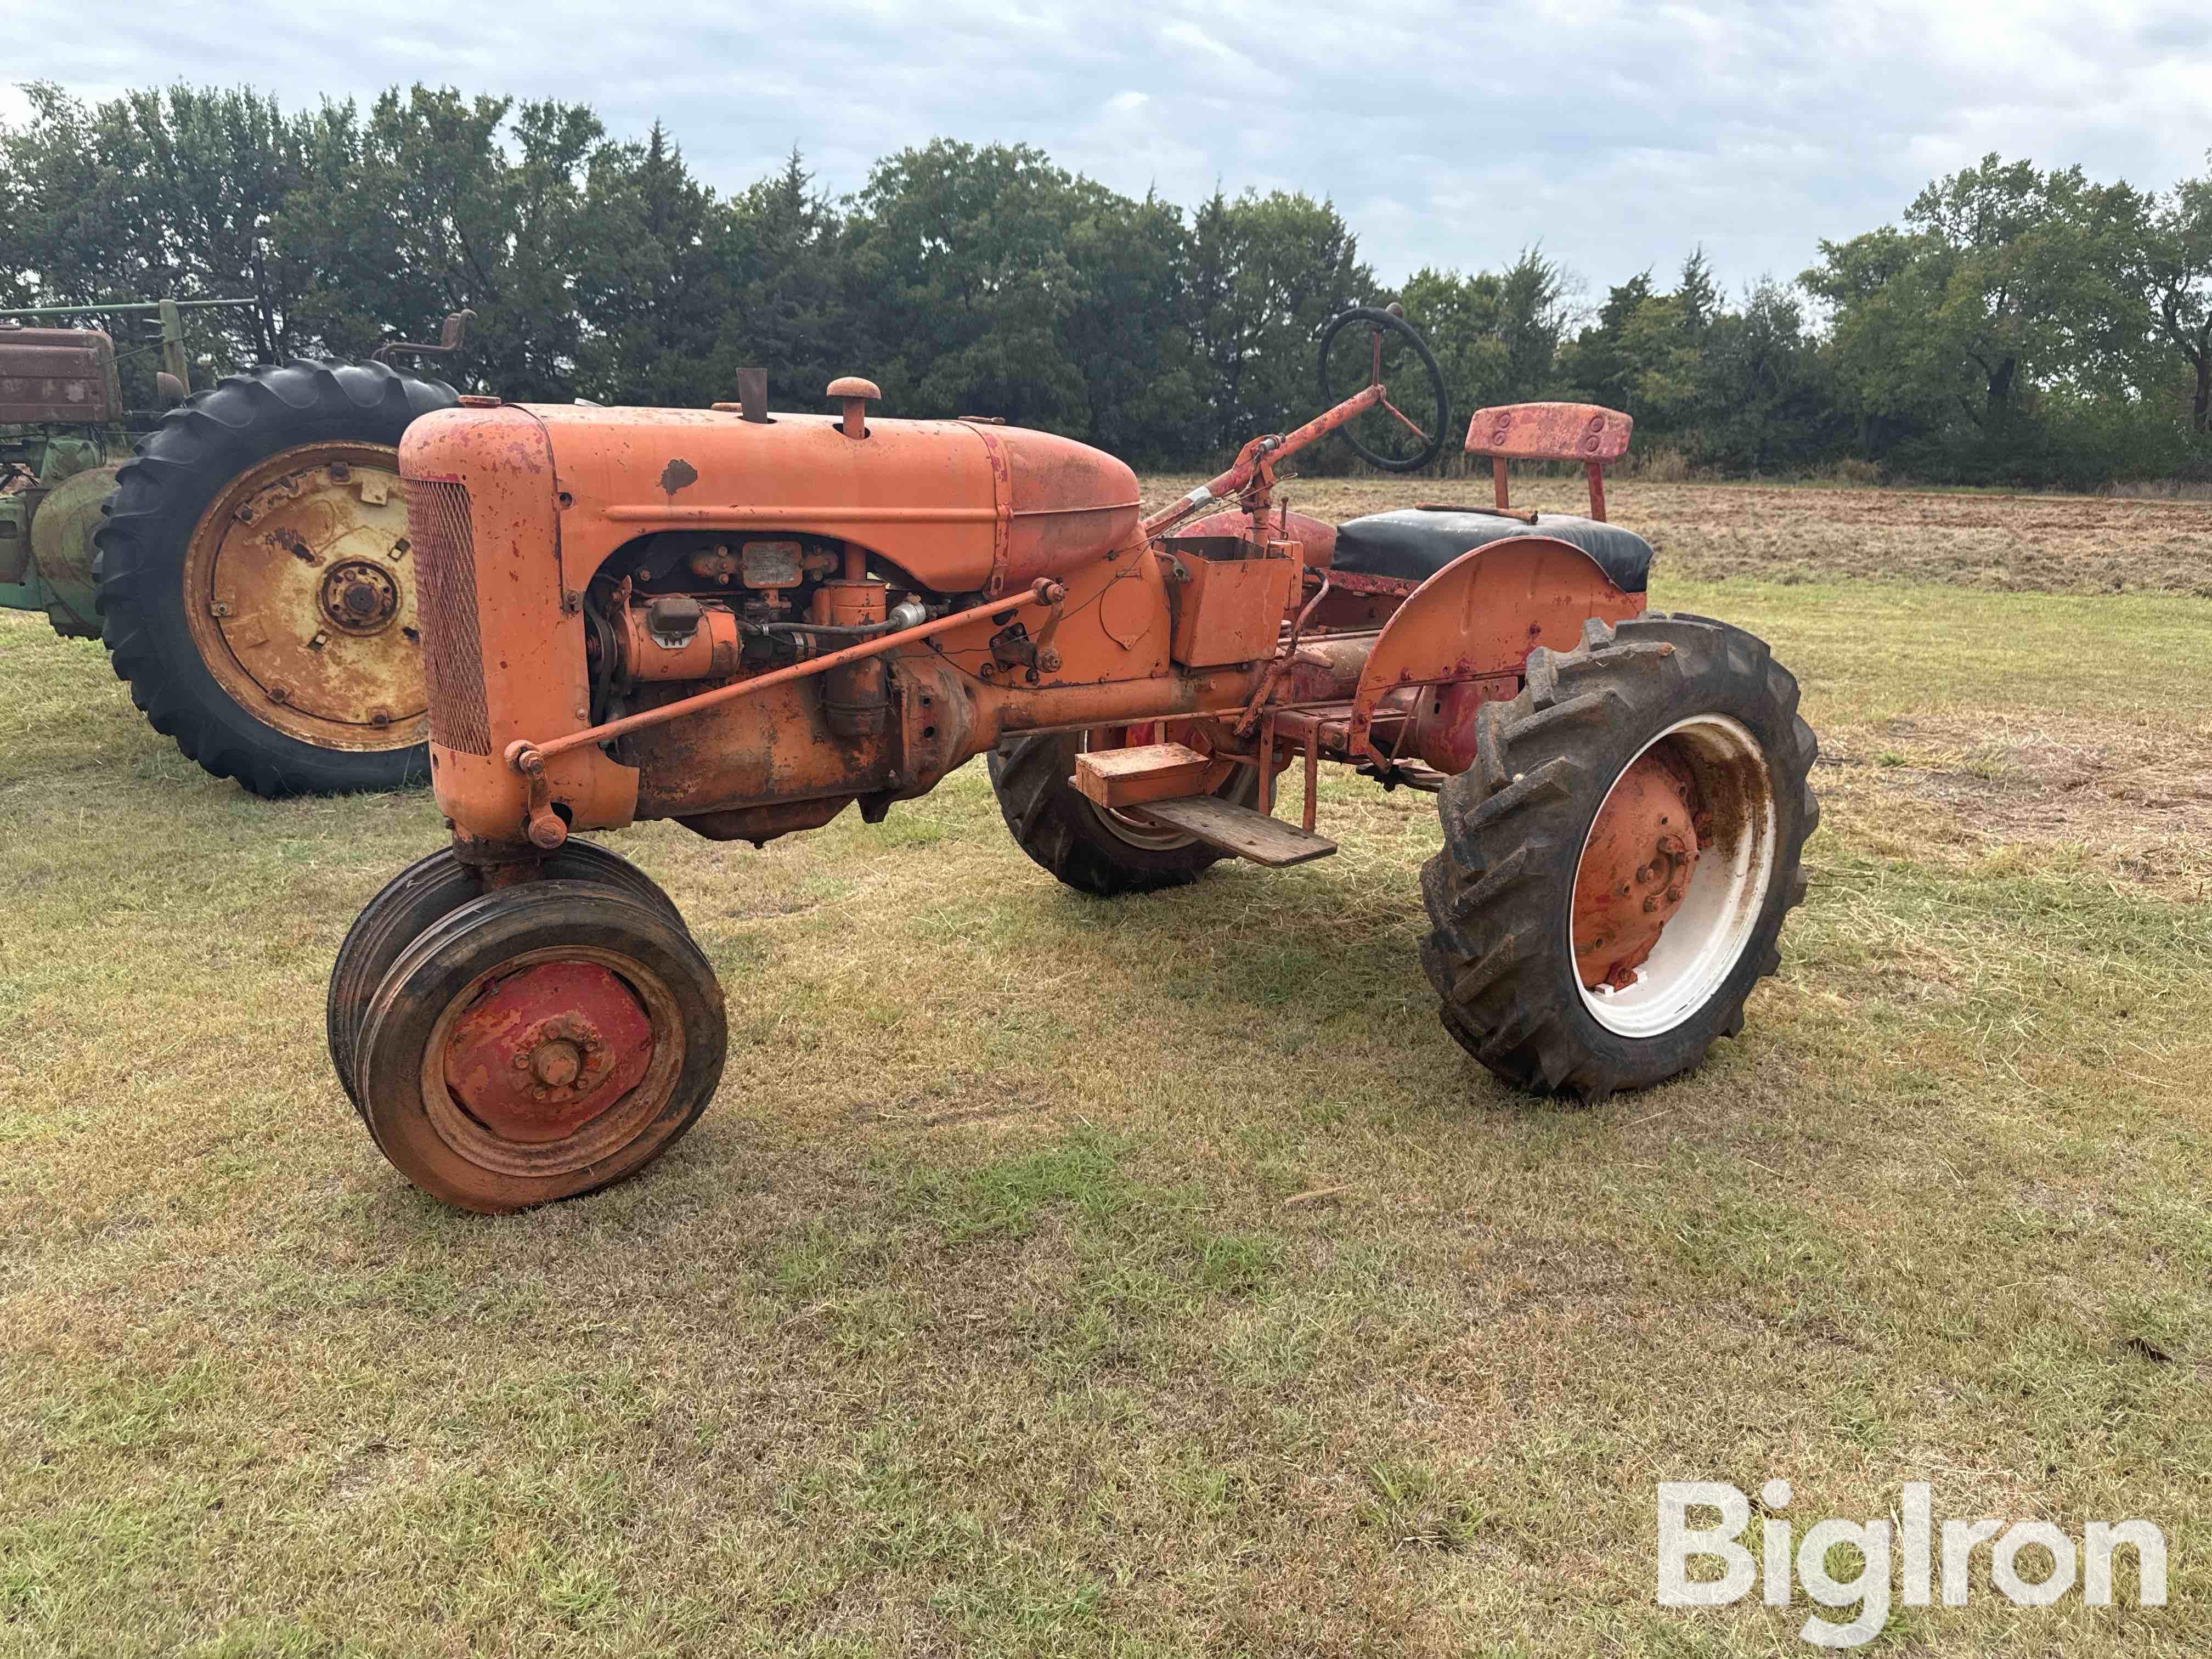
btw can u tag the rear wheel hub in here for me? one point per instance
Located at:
(1674, 877)
(360, 596)
(545, 1051)
(1635, 870)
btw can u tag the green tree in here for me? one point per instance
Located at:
(1699, 299)
(1495, 334)
(1597, 366)
(173, 192)
(1128, 334)
(453, 203)
(654, 278)
(2177, 273)
(2007, 280)
(960, 256)
(788, 312)
(1645, 353)
(991, 282)
(1766, 402)
(1265, 273)
(64, 220)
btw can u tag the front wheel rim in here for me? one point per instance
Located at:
(595, 1141)
(1706, 937)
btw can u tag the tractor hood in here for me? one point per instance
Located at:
(961, 506)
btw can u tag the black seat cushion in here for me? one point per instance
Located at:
(1413, 544)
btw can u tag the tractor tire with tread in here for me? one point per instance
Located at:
(1500, 892)
(407, 1104)
(1070, 836)
(160, 495)
(426, 892)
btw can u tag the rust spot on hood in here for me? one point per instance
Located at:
(678, 475)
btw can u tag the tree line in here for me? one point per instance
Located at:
(2017, 325)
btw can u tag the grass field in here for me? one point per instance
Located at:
(1152, 1278)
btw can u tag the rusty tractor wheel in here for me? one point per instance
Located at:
(541, 1042)
(255, 584)
(426, 890)
(1618, 862)
(1093, 848)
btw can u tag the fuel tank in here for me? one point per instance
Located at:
(960, 505)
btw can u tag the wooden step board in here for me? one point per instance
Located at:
(1237, 830)
(1130, 777)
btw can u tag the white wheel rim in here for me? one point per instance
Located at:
(1705, 939)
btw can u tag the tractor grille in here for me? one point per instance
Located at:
(453, 654)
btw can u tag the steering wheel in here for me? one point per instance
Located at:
(1379, 324)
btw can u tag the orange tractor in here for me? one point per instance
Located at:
(749, 622)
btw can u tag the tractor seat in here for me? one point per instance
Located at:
(1413, 544)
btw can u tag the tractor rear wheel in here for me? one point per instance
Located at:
(255, 587)
(426, 891)
(1093, 848)
(541, 1041)
(1618, 861)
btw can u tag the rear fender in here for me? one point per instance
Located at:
(1479, 616)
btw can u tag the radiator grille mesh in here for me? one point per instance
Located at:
(453, 651)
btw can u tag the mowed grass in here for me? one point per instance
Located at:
(1149, 1278)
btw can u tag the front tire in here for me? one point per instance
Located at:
(541, 1041)
(1587, 938)
(427, 892)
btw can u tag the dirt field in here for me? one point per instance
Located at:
(2018, 544)
(1151, 1278)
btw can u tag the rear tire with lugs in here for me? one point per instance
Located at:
(255, 590)
(1691, 711)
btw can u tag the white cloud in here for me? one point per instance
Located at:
(1617, 134)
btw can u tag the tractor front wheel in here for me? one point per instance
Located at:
(426, 891)
(541, 1041)
(1618, 862)
(1090, 847)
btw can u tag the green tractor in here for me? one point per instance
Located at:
(243, 555)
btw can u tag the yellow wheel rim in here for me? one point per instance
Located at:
(299, 590)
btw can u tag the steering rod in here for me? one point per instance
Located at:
(1260, 457)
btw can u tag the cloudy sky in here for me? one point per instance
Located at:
(1616, 134)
